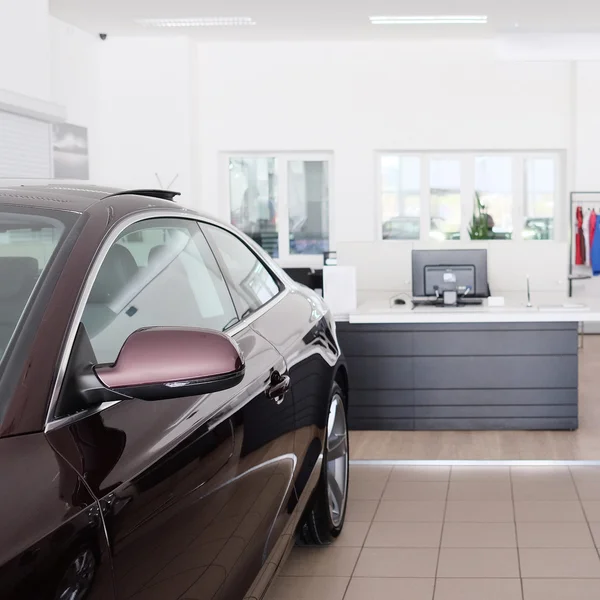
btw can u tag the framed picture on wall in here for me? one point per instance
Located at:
(70, 151)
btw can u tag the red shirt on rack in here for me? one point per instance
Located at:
(579, 238)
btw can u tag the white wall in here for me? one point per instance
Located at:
(354, 99)
(25, 48)
(587, 129)
(73, 71)
(171, 107)
(144, 116)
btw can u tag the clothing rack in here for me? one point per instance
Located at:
(578, 199)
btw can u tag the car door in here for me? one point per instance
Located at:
(302, 330)
(257, 293)
(176, 479)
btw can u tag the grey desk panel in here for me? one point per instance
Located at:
(385, 424)
(506, 376)
(533, 411)
(547, 424)
(491, 397)
(383, 397)
(489, 372)
(377, 343)
(497, 343)
(406, 327)
(382, 412)
(381, 373)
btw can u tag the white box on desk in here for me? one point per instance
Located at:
(339, 289)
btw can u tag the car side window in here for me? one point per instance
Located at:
(160, 272)
(250, 282)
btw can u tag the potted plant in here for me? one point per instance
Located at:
(479, 228)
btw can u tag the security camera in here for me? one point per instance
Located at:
(102, 36)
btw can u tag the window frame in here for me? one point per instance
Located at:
(282, 158)
(225, 271)
(467, 178)
(52, 422)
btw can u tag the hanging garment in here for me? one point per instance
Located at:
(595, 249)
(586, 236)
(579, 238)
(592, 228)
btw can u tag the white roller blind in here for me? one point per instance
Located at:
(24, 148)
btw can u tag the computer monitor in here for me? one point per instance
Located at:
(437, 271)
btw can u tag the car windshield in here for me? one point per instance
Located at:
(27, 243)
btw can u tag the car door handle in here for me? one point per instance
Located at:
(280, 384)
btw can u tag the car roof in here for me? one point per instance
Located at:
(77, 198)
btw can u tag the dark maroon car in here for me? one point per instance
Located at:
(172, 405)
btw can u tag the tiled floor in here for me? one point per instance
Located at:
(458, 533)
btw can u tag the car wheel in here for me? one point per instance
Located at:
(324, 519)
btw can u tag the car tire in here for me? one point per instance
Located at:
(324, 518)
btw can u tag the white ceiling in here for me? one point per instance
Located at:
(331, 19)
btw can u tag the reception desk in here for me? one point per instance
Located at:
(463, 368)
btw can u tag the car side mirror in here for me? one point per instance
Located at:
(159, 363)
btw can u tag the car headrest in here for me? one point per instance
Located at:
(155, 252)
(18, 275)
(116, 271)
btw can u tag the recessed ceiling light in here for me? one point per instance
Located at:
(429, 20)
(198, 22)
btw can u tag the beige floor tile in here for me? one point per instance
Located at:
(556, 474)
(589, 489)
(397, 562)
(440, 473)
(478, 562)
(404, 535)
(592, 510)
(361, 510)
(332, 561)
(308, 588)
(367, 482)
(586, 473)
(464, 511)
(561, 589)
(367, 471)
(549, 511)
(575, 564)
(365, 490)
(416, 511)
(532, 490)
(416, 490)
(353, 535)
(478, 589)
(595, 527)
(479, 490)
(554, 535)
(389, 588)
(479, 535)
(488, 474)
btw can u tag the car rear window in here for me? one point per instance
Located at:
(27, 243)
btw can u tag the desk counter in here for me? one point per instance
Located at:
(466, 368)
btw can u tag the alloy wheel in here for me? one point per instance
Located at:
(337, 460)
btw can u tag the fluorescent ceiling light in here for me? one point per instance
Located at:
(198, 22)
(429, 20)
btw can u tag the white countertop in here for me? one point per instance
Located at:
(548, 310)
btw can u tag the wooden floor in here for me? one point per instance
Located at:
(583, 444)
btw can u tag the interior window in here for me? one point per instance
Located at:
(27, 242)
(160, 272)
(251, 284)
